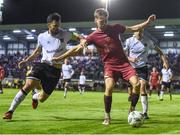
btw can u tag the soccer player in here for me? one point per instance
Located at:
(2, 73)
(166, 79)
(67, 73)
(46, 73)
(107, 41)
(154, 80)
(137, 52)
(82, 82)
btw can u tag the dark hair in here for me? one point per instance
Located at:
(101, 12)
(54, 16)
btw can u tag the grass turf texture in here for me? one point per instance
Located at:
(83, 114)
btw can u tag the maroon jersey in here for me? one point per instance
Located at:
(108, 44)
(2, 73)
(154, 77)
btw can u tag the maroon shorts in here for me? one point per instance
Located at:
(154, 86)
(116, 71)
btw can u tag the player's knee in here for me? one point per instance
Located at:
(136, 87)
(108, 92)
(42, 99)
(143, 82)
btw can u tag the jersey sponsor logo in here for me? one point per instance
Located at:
(55, 50)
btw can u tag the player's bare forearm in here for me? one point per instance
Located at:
(163, 57)
(142, 25)
(72, 52)
(158, 50)
(130, 59)
(34, 55)
(76, 36)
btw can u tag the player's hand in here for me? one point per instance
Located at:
(151, 18)
(134, 60)
(22, 63)
(55, 59)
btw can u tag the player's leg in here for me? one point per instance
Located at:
(169, 91)
(144, 98)
(36, 90)
(162, 92)
(20, 96)
(48, 83)
(158, 89)
(135, 91)
(65, 88)
(1, 89)
(40, 96)
(80, 88)
(129, 92)
(36, 95)
(83, 88)
(150, 89)
(109, 85)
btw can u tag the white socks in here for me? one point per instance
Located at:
(65, 92)
(36, 90)
(161, 94)
(35, 96)
(144, 102)
(80, 90)
(107, 115)
(20, 96)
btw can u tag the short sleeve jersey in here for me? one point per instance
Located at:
(137, 49)
(53, 45)
(109, 44)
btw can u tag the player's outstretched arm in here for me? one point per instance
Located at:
(71, 52)
(163, 57)
(133, 59)
(140, 26)
(34, 54)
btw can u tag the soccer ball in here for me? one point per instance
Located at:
(135, 119)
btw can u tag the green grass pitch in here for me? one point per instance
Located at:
(83, 114)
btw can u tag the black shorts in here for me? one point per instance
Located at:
(66, 80)
(166, 84)
(81, 85)
(48, 75)
(142, 73)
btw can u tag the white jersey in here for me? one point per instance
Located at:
(82, 79)
(67, 71)
(136, 49)
(53, 45)
(166, 74)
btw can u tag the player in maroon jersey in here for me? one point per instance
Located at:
(2, 73)
(116, 65)
(154, 81)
